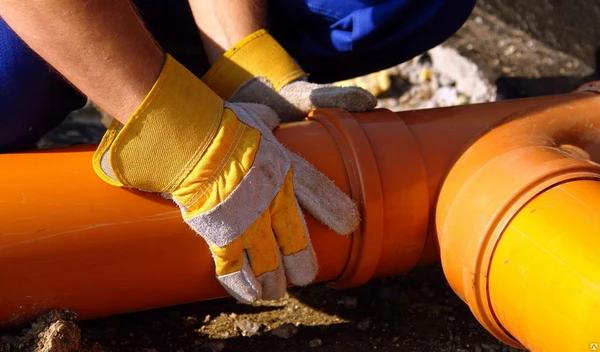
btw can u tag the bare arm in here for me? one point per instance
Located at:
(223, 23)
(101, 47)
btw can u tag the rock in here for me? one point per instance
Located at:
(468, 77)
(285, 331)
(462, 99)
(445, 81)
(364, 324)
(446, 96)
(510, 50)
(60, 336)
(425, 75)
(315, 343)
(190, 321)
(247, 328)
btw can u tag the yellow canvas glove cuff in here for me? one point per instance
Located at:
(165, 130)
(257, 55)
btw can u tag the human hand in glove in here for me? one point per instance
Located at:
(259, 70)
(231, 178)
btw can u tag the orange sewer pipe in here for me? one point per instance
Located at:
(499, 174)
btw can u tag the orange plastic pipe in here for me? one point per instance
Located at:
(545, 272)
(518, 222)
(69, 240)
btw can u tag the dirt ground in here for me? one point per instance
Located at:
(413, 312)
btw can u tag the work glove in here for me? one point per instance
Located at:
(259, 70)
(230, 177)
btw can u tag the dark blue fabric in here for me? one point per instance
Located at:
(352, 25)
(331, 39)
(33, 98)
(339, 39)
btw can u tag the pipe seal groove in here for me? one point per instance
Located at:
(365, 188)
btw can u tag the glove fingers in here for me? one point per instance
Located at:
(273, 284)
(240, 263)
(322, 198)
(265, 260)
(301, 268)
(241, 284)
(308, 96)
(267, 115)
(299, 259)
(259, 90)
(315, 192)
(296, 99)
(353, 99)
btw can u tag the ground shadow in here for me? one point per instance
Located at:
(525, 87)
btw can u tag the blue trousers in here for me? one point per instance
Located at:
(330, 39)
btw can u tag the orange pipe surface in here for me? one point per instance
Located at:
(454, 176)
(489, 196)
(544, 281)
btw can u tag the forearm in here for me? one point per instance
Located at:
(222, 23)
(101, 47)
